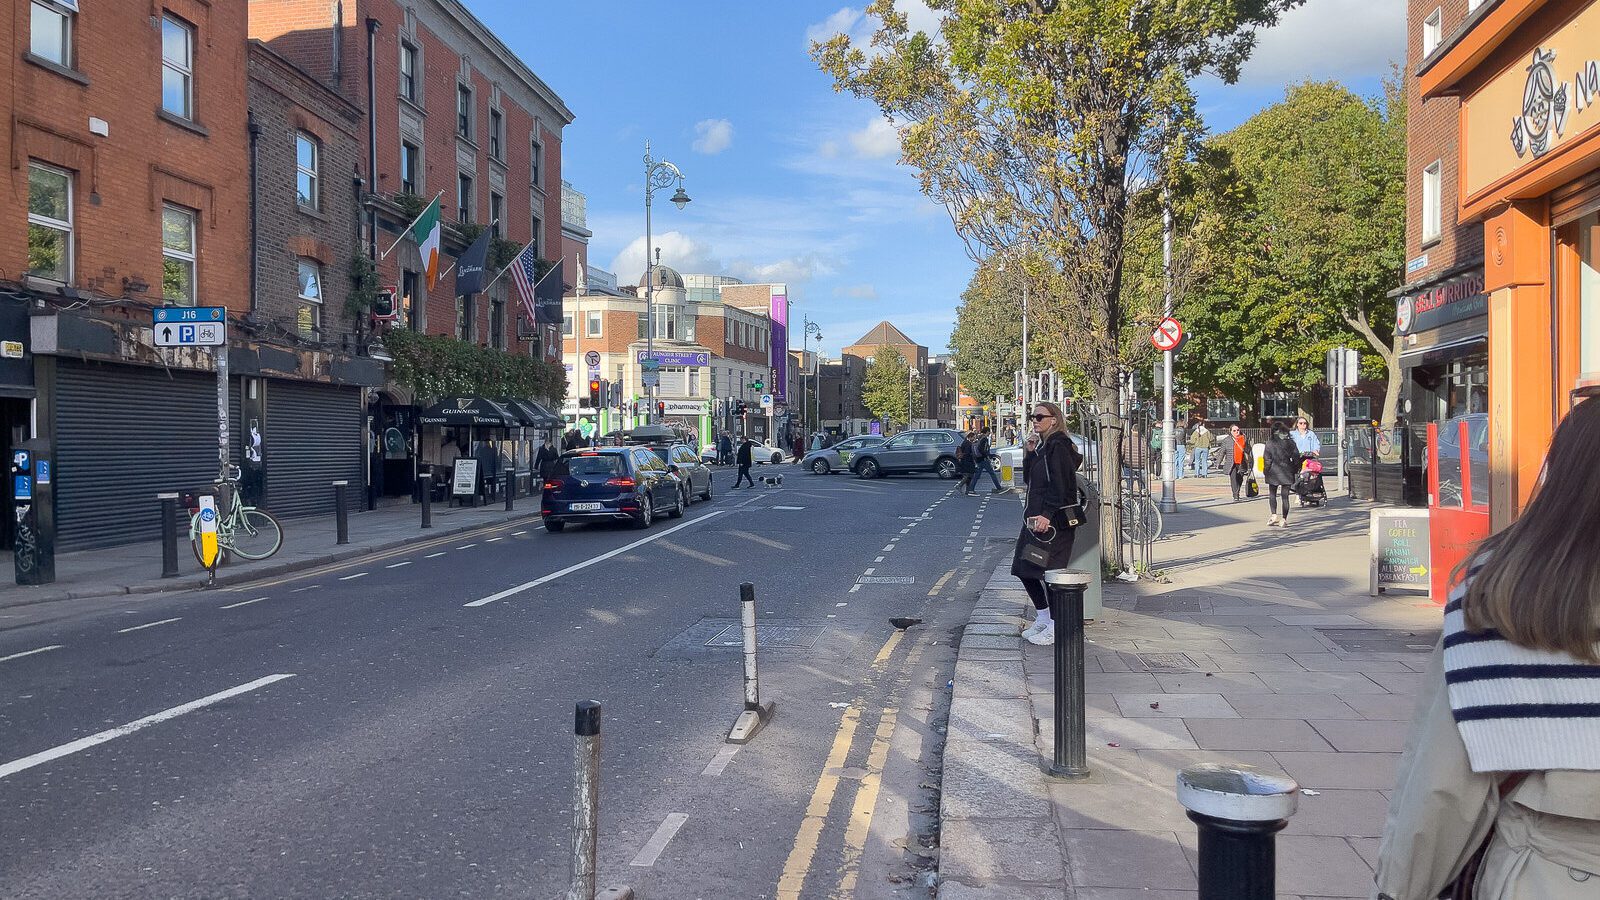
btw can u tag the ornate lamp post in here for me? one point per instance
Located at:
(657, 174)
(812, 330)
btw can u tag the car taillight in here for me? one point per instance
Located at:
(552, 485)
(624, 481)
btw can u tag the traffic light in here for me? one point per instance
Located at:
(740, 410)
(594, 393)
(661, 407)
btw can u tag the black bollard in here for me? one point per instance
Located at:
(585, 798)
(1374, 497)
(1065, 588)
(511, 488)
(427, 496)
(1238, 810)
(169, 535)
(341, 511)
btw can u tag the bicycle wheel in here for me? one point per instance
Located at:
(258, 535)
(1150, 519)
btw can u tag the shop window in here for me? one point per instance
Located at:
(1279, 405)
(1432, 31)
(49, 223)
(178, 255)
(1432, 209)
(51, 37)
(1589, 294)
(409, 307)
(177, 66)
(1219, 409)
(307, 164)
(308, 317)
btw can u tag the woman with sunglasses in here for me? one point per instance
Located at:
(1306, 440)
(1050, 466)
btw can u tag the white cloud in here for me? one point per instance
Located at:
(678, 251)
(876, 141)
(712, 136)
(795, 269)
(1335, 39)
(860, 26)
(828, 149)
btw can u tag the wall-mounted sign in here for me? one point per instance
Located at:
(1417, 265)
(677, 358)
(1448, 301)
(686, 407)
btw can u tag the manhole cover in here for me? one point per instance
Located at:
(1381, 640)
(792, 637)
(1169, 605)
(1167, 662)
(887, 579)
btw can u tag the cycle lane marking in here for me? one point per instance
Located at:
(242, 603)
(651, 851)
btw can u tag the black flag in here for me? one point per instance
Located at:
(547, 296)
(470, 268)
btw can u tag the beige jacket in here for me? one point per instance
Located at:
(1546, 831)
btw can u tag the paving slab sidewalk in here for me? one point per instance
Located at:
(1237, 660)
(307, 542)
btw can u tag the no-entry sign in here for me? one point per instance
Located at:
(1167, 335)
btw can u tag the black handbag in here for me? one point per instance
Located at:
(1036, 550)
(1251, 488)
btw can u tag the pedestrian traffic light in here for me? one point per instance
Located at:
(661, 407)
(740, 409)
(594, 393)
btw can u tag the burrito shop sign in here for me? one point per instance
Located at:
(1446, 302)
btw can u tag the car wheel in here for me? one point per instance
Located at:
(777, 458)
(710, 482)
(676, 512)
(687, 495)
(945, 468)
(869, 468)
(646, 513)
(819, 467)
(553, 525)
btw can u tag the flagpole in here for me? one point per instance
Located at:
(407, 230)
(508, 266)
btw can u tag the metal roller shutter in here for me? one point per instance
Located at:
(312, 438)
(123, 435)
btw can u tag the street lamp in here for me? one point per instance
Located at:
(658, 174)
(812, 330)
(911, 377)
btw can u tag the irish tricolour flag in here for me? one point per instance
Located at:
(425, 231)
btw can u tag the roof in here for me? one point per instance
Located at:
(884, 333)
(666, 277)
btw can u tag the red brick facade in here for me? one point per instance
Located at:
(1433, 135)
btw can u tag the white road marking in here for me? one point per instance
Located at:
(887, 549)
(854, 588)
(399, 565)
(466, 546)
(878, 559)
(841, 604)
(721, 760)
(436, 555)
(242, 603)
(869, 570)
(492, 540)
(148, 625)
(28, 762)
(658, 841)
(31, 652)
(518, 533)
(353, 577)
(788, 507)
(527, 585)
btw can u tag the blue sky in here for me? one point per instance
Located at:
(792, 182)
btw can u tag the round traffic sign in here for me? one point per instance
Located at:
(592, 357)
(1167, 335)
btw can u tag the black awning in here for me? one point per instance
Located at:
(468, 411)
(547, 417)
(524, 414)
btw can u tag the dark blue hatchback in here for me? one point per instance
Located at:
(609, 484)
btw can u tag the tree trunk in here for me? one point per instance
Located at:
(1390, 354)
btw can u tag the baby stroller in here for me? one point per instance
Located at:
(1309, 483)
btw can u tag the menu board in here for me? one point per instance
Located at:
(1400, 549)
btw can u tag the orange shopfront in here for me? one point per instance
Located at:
(1528, 75)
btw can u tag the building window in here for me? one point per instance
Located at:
(694, 382)
(591, 327)
(177, 66)
(536, 166)
(496, 208)
(1432, 208)
(1432, 31)
(49, 223)
(1279, 405)
(408, 167)
(52, 32)
(409, 307)
(644, 324)
(464, 111)
(496, 133)
(464, 197)
(497, 323)
(308, 317)
(307, 161)
(466, 318)
(408, 71)
(537, 230)
(1219, 409)
(566, 325)
(1358, 409)
(177, 255)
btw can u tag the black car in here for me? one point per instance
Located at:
(609, 484)
(680, 458)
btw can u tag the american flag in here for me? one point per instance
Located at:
(522, 273)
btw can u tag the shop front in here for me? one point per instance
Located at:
(1528, 75)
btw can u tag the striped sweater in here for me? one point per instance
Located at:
(1519, 710)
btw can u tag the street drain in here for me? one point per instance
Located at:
(887, 579)
(1164, 663)
(790, 637)
(1381, 640)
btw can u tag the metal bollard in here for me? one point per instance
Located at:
(755, 713)
(169, 535)
(511, 488)
(427, 496)
(1238, 810)
(341, 511)
(1065, 588)
(585, 798)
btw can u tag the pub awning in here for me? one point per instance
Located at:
(548, 417)
(457, 411)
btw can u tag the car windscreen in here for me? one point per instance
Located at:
(600, 464)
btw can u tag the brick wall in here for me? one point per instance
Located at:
(1433, 133)
(121, 179)
(285, 102)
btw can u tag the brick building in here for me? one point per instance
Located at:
(131, 168)
(937, 403)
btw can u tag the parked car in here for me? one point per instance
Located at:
(924, 450)
(610, 484)
(760, 454)
(1012, 456)
(837, 457)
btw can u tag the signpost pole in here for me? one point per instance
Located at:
(1169, 500)
(222, 422)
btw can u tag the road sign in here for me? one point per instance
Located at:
(208, 531)
(766, 401)
(592, 357)
(1167, 335)
(190, 326)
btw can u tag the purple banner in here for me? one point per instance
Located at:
(780, 347)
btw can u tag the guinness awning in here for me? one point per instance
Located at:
(531, 414)
(549, 418)
(468, 411)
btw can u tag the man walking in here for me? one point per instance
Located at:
(725, 449)
(1180, 450)
(983, 462)
(745, 459)
(1157, 434)
(1201, 441)
(543, 458)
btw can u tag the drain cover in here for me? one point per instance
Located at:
(792, 637)
(1167, 662)
(1169, 605)
(1381, 640)
(887, 579)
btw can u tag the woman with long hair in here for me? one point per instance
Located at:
(1050, 464)
(1282, 459)
(1500, 782)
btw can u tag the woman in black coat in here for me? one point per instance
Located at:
(1283, 467)
(1050, 466)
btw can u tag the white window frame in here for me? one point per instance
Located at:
(1433, 202)
(312, 300)
(65, 16)
(1432, 31)
(1290, 399)
(593, 323)
(313, 174)
(54, 224)
(409, 51)
(189, 258)
(1221, 409)
(567, 325)
(183, 69)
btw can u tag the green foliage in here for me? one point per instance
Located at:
(887, 387)
(987, 341)
(363, 287)
(436, 365)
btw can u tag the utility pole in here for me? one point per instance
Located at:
(1026, 399)
(1169, 500)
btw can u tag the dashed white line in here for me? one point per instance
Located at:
(466, 546)
(148, 625)
(841, 604)
(436, 555)
(242, 603)
(870, 570)
(518, 533)
(399, 565)
(493, 539)
(353, 577)
(31, 652)
(887, 549)
(28, 762)
(720, 761)
(878, 559)
(854, 588)
(658, 841)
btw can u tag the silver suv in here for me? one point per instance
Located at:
(925, 450)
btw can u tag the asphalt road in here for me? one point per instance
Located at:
(401, 725)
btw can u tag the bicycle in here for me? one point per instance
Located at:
(1141, 515)
(245, 531)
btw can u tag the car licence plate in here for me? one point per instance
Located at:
(583, 507)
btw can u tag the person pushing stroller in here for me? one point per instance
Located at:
(1308, 485)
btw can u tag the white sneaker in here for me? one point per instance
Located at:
(1034, 627)
(1284, 522)
(1272, 521)
(1045, 635)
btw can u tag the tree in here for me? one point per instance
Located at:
(1028, 120)
(987, 340)
(888, 387)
